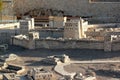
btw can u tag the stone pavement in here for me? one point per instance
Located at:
(59, 68)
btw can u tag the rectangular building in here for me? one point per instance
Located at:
(75, 28)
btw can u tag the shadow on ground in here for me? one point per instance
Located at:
(77, 54)
(38, 63)
(108, 73)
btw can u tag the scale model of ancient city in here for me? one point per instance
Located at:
(59, 39)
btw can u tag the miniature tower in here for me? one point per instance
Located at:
(75, 29)
(26, 25)
(32, 37)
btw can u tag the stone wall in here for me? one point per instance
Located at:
(113, 25)
(20, 42)
(51, 33)
(77, 44)
(71, 44)
(116, 46)
(8, 30)
(106, 44)
(67, 44)
(103, 19)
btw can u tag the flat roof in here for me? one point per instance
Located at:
(9, 75)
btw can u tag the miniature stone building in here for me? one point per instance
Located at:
(10, 76)
(26, 25)
(80, 76)
(41, 21)
(65, 58)
(55, 59)
(75, 29)
(66, 77)
(7, 30)
(57, 22)
(41, 74)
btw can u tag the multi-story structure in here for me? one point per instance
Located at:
(51, 26)
(42, 21)
(7, 30)
(10, 76)
(99, 31)
(77, 34)
(57, 22)
(26, 25)
(25, 40)
(75, 28)
(41, 74)
(50, 21)
(53, 33)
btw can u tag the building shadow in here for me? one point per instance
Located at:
(75, 54)
(108, 73)
(38, 63)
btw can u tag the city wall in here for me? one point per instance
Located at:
(114, 25)
(20, 42)
(69, 44)
(58, 44)
(115, 46)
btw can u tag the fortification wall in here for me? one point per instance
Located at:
(77, 44)
(23, 43)
(72, 44)
(103, 25)
(116, 46)
(67, 44)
